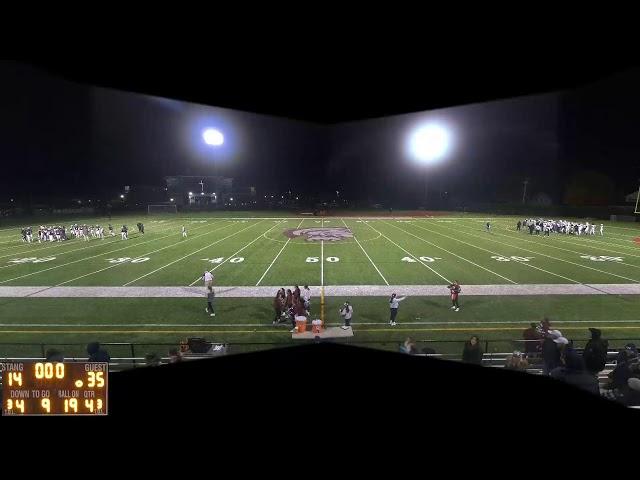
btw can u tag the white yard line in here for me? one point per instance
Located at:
(407, 252)
(234, 254)
(142, 255)
(558, 238)
(124, 263)
(550, 256)
(454, 254)
(527, 264)
(621, 237)
(322, 258)
(367, 255)
(590, 243)
(72, 243)
(190, 254)
(274, 260)
(129, 245)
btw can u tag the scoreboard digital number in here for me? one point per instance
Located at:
(51, 388)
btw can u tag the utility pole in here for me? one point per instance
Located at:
(524, 190)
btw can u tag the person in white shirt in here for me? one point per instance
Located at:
(346, 311)
(306, 297)
(184, 232)
(601, 229)
(208, 279)
(393, 306)
(593, 229)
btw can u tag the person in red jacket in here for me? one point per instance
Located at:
(455, 290)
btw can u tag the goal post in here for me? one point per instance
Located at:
(637, 202)
(160, 209)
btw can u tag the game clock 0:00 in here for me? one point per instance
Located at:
(54, 388)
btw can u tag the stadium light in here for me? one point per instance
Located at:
(121, 196)
(190, 194)
(213, 137)
(429, 143)
(171, 199)
(231, 199)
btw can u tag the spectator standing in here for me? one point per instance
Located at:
(97, 354)
(532, 337)
(595, 352)
(277, 308)
(53, 355)
(211, 296)
(551, 350)
(306, 297)
(472, 352)
(346, 311)
(394, 304)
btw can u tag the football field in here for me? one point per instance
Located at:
(148, 289)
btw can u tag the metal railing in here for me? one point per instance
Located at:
(132, 353)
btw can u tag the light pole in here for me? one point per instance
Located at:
(214, 138)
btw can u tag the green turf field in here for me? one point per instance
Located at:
(376, 257)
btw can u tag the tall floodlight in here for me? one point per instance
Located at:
(428, 144)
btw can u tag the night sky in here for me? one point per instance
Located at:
(64, 139)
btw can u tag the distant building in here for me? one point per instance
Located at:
(208, 191)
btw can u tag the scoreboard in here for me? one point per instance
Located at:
(54, 388)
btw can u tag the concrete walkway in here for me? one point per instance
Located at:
(330, 291)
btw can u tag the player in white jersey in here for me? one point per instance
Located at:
(101, 232)
(601, 229)
(593, 229)
(184, 232)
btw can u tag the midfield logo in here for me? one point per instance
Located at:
(328, 234)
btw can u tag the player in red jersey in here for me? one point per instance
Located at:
(455, 290)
